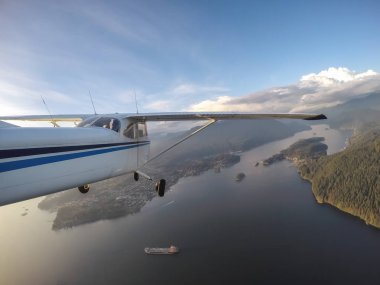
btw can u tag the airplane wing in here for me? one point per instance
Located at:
(47, 118)
(181, 116)
(219, 116)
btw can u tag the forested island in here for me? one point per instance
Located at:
(301, 150)
(348, 180)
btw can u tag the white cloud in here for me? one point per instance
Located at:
(184, 89)
(20, 94)
(160, 105)
(182, 95)
(219, 104)
(314, 91)
(192, 89)
(333, 76)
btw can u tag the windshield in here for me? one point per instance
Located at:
(102, 122)
(87, 122)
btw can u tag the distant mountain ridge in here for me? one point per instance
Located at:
(228, 136)
(355, 113)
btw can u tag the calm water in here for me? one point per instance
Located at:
(267, 228)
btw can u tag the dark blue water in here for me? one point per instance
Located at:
(267, 229)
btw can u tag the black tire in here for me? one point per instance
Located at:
(136, 176)
(161, 187)
(84, 189)
(156, 186)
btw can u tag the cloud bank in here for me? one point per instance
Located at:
(21, 94)
(313, 91)
(184, 94)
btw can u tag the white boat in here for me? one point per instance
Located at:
(159, 250)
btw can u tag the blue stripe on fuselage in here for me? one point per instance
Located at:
(19, 164)
(17, 152)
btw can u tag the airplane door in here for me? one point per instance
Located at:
(138, 133)
(131, 133)
(143, 149)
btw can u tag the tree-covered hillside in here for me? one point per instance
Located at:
(350, 180)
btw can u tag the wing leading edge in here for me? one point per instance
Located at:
(181, 116)
(219, 116)
(47, 118)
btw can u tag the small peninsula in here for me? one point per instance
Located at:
(300, 151)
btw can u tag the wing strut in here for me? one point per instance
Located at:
(174, 145)
(182, 140)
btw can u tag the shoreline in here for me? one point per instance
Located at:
(313, 164)
(320, 201)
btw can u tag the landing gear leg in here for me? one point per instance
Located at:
(84, 189)
(160, 185)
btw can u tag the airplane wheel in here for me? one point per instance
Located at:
(84, 189)
(136, 176)
(160, 187)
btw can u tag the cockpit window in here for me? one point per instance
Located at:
(130, 131)
(102, 122)
(134, 131)
(109, 123)
(141, 127)
(87, 122)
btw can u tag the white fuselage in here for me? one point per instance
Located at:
(39, 161)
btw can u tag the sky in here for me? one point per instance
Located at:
(264, 56)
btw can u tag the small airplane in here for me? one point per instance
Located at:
(37, 161)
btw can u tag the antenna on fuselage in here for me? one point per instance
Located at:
(51, 117)
(137, 109)
(92, 102)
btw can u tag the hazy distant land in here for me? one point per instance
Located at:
(306, 149)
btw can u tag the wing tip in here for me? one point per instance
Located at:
(316, 117)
